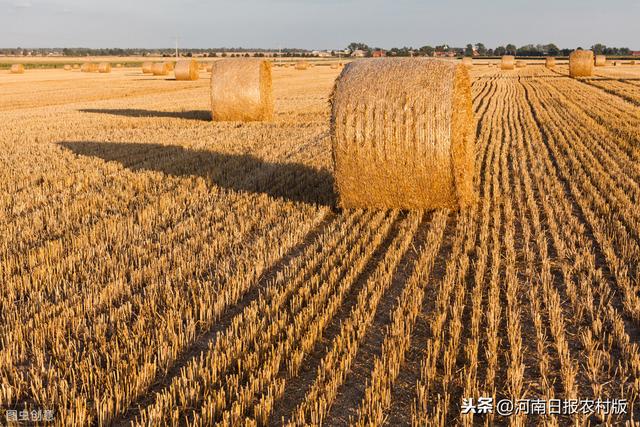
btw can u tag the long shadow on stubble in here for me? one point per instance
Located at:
(240, 172)
(200, 115)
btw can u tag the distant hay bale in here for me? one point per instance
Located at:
(302, 65)
(550, 62)
(67, 67)
(521, 64)
(118, 65)
(600, 61)
(76, 66)
(160, 69)
(402, 134)
(632, 62)
(467, 61)
(170, 65)
(241, 90)
(89, 67)
(508, 62)
(17, 69)
(147, 67)
(104, 67)
(581, 63)
(187, 70)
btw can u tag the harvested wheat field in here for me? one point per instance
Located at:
(160, 268)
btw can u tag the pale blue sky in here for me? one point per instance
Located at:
(316, 24)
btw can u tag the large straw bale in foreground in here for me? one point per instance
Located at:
(508, 62)
(89, 67)
(467, 61)
(160, 69)
(581, 63)
(601, 61)
(104, 67)
(550, 62)
(17, 69)
(241, 90)
(402, 134)
(147, 67)
(187, 70)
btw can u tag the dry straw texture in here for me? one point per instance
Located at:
(160, 69)
(467, 61)
(89, 67)
(147, 67)
(508, 62)
(67, 67)
(550, 62)
(521, 64)
(402, 134)
(209, 67)
(104, 67)
(17, 69)
(118, 65)
(170, 65)
(581, 63)
(187, 70)
(302, 65)
(601, 60)
(241, 90)
(76, 66)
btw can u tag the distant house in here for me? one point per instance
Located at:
(378, 53)
(321, 54)
(358, 53)
(635, 53)
(443, 54)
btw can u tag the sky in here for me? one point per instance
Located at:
(316, 24)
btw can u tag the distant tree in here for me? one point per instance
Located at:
(599, 49)
(426, 51)
(552, 49)
(500, 50)
(353, 46)
(468, 51)
(511, 49)
(482, 50)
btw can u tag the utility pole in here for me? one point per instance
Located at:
(176, 47)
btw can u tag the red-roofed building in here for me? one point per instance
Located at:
(378, 53)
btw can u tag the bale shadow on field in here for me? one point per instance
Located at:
(240, 172)
(200, 115)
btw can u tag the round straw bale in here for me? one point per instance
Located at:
(76, 66)
(581, 63)
(118, 65)
(170, 65)
(160, 69)
(241, 90)
(89, 67)
(467, 61)
(402, 134)
(147, 67)
(104, 67)
(67, 67)
(632, 63)
(521, 64)
(302, 65)
(209, 68)
(17, 69)
(550, 62)
(508, 62)
(187, 70)
(600, 61)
